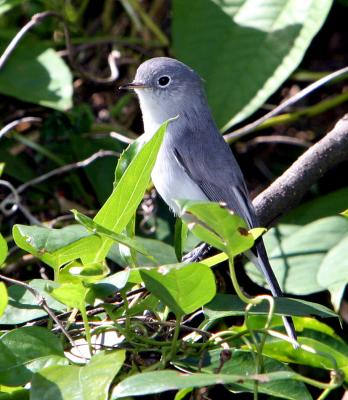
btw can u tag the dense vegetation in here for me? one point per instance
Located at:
(95, 300)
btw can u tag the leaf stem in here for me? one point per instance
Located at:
(175, 337)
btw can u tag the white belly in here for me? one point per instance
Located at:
(172, 182)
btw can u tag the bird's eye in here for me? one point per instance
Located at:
(164, 81)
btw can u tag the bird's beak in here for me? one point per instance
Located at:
(133, 85)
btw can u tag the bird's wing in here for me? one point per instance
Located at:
(209, 162)
(211, 165)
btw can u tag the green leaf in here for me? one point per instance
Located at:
(3, 250)
(37, 74)
(2, 167)
(182, 287)
(250, 47)
(180, 236)
(226, 305)
(91, 382)
(334, 266)
(296, 259)
(76, 272)
(95, 228)
(24, 307)
(7, 5)
(56, 247)
(329, 348)
(24, 351)
(125, 198)
(162, 381)
(111, 284)
(126, 158)
(217, 226)
(321, 207)
(243, 362)
(3, 298)
(71, 294)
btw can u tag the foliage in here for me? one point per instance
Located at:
(131, 314)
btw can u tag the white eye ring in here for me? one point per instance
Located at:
(164, 81)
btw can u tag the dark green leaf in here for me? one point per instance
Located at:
(24, 351)
(24, 307)
(162, 381)
(91, 382)
(37, 74)
(224, 305)
(243, 362)
(249, 49)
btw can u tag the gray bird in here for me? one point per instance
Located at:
(194, 161)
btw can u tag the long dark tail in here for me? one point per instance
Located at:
(260, 259)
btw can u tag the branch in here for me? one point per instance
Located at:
(286, 191)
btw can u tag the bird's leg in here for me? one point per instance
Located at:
(197, 254)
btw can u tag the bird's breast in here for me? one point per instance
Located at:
(171, 180)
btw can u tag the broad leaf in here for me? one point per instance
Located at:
(37, 74)
(129, 191)
(23, 306)
(182, 287)
(218, 226)
(243, 362)
(26, 350)
(224, 305)
(162, 381)
(91, 382)
(297, 258)
(244, 49)
(56, 247)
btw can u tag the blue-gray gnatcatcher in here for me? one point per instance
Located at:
(194, 161)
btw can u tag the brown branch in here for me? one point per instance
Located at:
(286, 191)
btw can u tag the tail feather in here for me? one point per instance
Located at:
(260, 259)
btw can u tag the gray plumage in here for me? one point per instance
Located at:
(194, 161)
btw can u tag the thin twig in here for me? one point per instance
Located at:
(229, 137)
(13, 199)
(277, 139)
(9, 127)
(41, 302)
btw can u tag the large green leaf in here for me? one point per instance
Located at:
(296, 258)
(244, 49)
(243, 362)
(225, 305)
(161, 381)
(23, 306)
(26, 350)
(126, 196)
(320, 207)
(37, 74)
(91, 382)
(56, 247)
(182, 287)
(329, 349)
